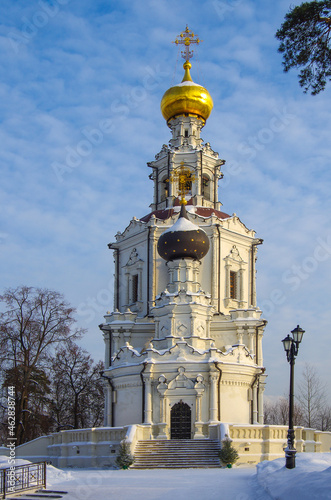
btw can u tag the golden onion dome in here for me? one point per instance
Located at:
(186, 98)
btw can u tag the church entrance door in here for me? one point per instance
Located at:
(180, 421)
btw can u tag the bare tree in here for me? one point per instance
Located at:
(310, 410)
(37, 387)
(311, 396)
(270, 411)
(34, 321)
(277, 413)
(77, 397)
(324, 419)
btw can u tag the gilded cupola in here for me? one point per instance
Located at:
(186, 98)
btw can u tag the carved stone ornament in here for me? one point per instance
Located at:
(234, 254)
(134, 258)
(181, 380)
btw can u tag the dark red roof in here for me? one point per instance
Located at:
(168, 212)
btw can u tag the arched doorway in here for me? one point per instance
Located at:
(180, 420)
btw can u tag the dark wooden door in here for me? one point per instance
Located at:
(181, 421)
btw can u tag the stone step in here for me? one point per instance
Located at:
(187, 447)
(176, 454)
(189, 463)
(174, 457)
(176, 450)
(171, 455)
(177, 447)
(161, 466)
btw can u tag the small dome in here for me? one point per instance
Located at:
(183, 240)
(186, 98)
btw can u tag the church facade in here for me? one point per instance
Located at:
(183, 346)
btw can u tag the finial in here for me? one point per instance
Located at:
(187, 75)
(186, 38)
(185, 178)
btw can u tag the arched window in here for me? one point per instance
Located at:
(233, 285)
(164, 189)
(235, 269)
(206, 187)
(133, 287)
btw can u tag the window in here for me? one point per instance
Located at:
(206, 187)
(164, 189)
(233, 285)
(132, 291)
(186, 133)
(234, 279)
(135, 288)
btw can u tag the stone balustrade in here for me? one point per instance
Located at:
(98, 447)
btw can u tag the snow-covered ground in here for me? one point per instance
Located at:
(310, 480)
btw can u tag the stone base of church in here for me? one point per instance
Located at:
(98, 447)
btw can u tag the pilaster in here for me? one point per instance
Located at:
(148, 399)
(213, 379)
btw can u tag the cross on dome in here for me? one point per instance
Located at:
(187, 98)
(186, 38)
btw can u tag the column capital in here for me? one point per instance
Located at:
(213, 376)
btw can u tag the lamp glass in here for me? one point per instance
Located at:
(287, 342)
(297, 334)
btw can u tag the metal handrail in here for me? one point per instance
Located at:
(18, 478)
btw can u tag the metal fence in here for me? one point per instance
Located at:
(22, 477)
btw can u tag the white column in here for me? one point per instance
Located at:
(148, 400)
(241, 287)
(153, 243)
(105, 409)
(253, 298)
(214, 275)
(240, 333)
(108, 406)
(140, 288)
(198, 408)
(261, 412)
(107, 350)
(227, 284)
(213, 377)
(251, 333)
(161, 408)
(156, 181)
(254, 401)
(259, 348)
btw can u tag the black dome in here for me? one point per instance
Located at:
(183, 240)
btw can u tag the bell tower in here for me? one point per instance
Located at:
(186, 107)
(186, 331)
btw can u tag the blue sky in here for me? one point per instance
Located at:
(80, 116)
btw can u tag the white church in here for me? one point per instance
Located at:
(183, 347)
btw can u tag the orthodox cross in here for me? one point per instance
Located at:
(186, 38)
(185, 178)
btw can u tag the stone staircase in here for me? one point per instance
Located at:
(176, 454)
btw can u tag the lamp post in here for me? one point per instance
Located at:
(291, 347)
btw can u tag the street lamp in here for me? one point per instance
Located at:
(291, 347)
